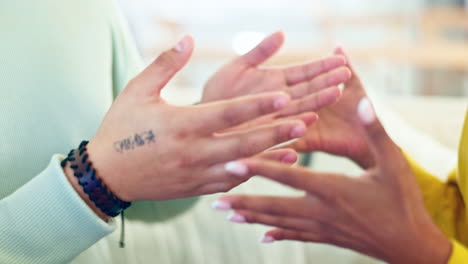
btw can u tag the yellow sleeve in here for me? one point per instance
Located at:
(459, 254)
(445, 203)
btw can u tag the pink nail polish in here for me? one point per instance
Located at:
(181, 45)
(280, 102)
(267, 239)
(221, 205)
(366, 111)
(289, 158)
(236, 218)
(297, 131)
(236, 168)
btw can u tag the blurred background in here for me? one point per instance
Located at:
(414, 47)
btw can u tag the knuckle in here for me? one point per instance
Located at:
(167, 59)
(187, 160)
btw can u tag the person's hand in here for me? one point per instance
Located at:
(306, 82)
(336, 132)
(146, 149)
(380, 214)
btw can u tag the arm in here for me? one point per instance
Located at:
(46, 221)
(445, 201)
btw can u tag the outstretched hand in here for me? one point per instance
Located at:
(146, 149)
(338, 131)
(310, 85)
(380, 214)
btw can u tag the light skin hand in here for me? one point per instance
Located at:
(146, 149)
(310, 85)
(380, 214)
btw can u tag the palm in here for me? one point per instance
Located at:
(336, 132)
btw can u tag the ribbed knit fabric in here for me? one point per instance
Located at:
(61, 63)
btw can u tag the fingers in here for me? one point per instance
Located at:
(308, 119)
(153, 79)
(282, 155)
(313, 102)
(354, 81)
(218, 180)
(326, 186)
(213, 117)
(307, 72)
(305, 207)
(331, 78)
(263, 51)
(247, 143)
(291, 223)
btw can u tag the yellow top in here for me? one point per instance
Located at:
(445, 201)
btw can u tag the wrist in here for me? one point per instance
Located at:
(107, 170)
(428, 248)
(79, 190)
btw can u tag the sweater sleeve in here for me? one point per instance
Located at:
(126, 60)
(446, 204)
(45, 221)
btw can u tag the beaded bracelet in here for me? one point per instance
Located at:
(96, 190)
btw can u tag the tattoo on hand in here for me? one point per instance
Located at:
(132, 142)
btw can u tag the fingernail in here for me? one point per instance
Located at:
(181, 45)
(289, 158)
(280, 102)
(366, 111)
(221, 205)
(297, 131)
(267, 239)
(236, 218)
(341, 86)
(236, 168)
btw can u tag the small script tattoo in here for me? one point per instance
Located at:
(134, 141)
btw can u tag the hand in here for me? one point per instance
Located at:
(304, 82)
(338, 131)
(147, 149)
(380, 214)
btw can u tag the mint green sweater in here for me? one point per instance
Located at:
(61, 64)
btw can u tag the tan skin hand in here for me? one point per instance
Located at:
(336, 133)
(380, 214)
(302, 82)
(147, 149)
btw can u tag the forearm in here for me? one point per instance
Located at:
(46, 221)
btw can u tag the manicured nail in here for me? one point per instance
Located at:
(289, 158)
(267, 239)
(366, 111)
(341, 86)
(297, 131)
(280, 102)
(182, 44)
(221, 205)
(236, 168)
(236, 218)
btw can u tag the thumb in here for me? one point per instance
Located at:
(153, 79)
(263, 51)
(380, 144)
